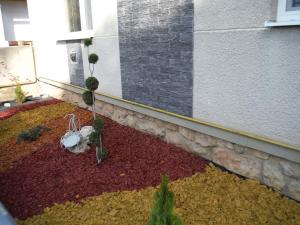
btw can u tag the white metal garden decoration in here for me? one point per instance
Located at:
(72, 137)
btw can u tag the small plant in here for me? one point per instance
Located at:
(32, 134)
(20, 94)
(162, 212)
(96, 138)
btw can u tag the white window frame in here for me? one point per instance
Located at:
(85, 22)
(284, 17)
(85, 15)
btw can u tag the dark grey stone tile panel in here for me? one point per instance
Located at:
(156, 53)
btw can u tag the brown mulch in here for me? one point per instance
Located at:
(51, 175)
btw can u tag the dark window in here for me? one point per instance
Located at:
(296, 3)
(74, 15)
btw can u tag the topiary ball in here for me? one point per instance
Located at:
(87, 97)
(92, 83)
(87, 42)
(98, 125)
(93, 58)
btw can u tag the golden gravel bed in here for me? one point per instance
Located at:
(11, 152)
(13, 126)
(213, 197)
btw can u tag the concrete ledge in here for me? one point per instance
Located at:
(286, 152)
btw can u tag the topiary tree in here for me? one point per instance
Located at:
(162, 212)
(96, 137)
(91, 83)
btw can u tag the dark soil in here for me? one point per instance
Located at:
(52, 175)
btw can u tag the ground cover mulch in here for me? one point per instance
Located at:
(210, 198)
(43, 184)
(10, 128)
(51, 175)
(21, 108)
(10, 152)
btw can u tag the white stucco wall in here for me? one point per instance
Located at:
(2, 36)
(47, 25)
(50, 49)
(15, 20)
(246, 77)
(106, 45)
(16, 65)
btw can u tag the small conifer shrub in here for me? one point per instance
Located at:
(32, 134)
(20, 94)
(162, 212)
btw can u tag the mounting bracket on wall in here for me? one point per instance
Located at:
(73, 57)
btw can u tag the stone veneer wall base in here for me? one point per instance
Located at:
(278, 173)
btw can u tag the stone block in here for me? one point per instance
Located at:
(198, 149)
(272, 174)
(187, 133)
(131, 121)
(257, 154)
(171, 126)
(108, 110)
(240, 149)
(119, 115)
(245, 166)
(175, 138)
(290, 169)
(293, 189)
(99, 105)
(226, 144)
(205, 140)
(150, 127)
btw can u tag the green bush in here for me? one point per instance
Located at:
(87, 42)
(93, 58)
(162, 212)
(20, 95)
(87, 97)
(92, 83)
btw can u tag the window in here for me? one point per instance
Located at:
(79, 15)
(288, 10)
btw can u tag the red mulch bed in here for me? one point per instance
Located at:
(51, 175)
(20, 108)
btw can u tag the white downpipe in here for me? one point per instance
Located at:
(3, 43)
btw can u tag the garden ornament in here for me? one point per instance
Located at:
(72, 137)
